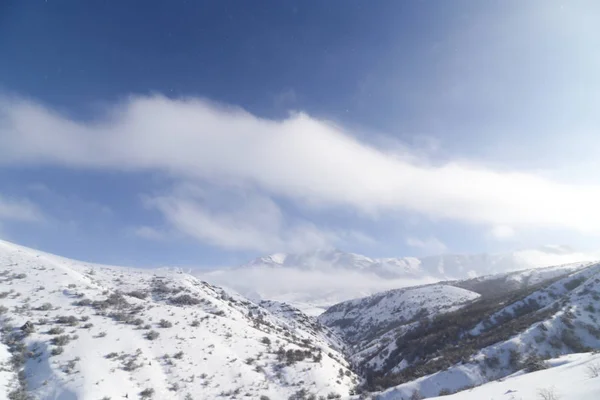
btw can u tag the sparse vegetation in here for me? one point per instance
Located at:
(55, 330)
(152, 335)
(70, 320)
(416, 395)
(57, 350)
(185, 300)
(593, 370)
(44, 307)
(138, 294)
(534, 363)
(430, 345)
(147, 393)
(60, 340)
(165, 324)
(19, 355)
(548, 394)
(573, 283)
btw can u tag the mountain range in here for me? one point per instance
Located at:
(313, 281)
(76, 330)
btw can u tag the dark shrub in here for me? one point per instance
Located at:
(165, 324)
(56, 330)
(60, 340)
(152, 335)
(56, 351)
(138, 294)
(185, 300)
(147, 393)
(70, 320)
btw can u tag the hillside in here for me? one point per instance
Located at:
(480, 340)
(376, 317)
(570, 377)
(362, 320)
(313, 281)
(73, 330)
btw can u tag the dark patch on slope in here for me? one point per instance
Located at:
(438, 343)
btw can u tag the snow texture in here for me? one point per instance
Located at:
(211, 343)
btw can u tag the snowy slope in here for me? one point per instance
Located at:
(559, 318)
(315, 280)
(8, 377)
(371, 325)
(570, 377)
(88, 332)
(372, 316)
(498, 283)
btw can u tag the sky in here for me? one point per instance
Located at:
(208, 133)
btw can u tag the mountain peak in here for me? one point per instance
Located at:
(323, 258)
(317, 279)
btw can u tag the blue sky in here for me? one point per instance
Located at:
(206, 133)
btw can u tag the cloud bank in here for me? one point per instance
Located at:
(307, 161)
(18, 210)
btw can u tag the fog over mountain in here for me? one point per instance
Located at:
(315, 280)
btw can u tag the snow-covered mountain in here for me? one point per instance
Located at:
(371, 318)
(443, 338)
(447, 266)
(568, 377)
(315, 280)
(74, 330)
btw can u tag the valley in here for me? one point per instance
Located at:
(77, 330)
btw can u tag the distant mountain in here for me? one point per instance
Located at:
(313, 281)
(447, 266)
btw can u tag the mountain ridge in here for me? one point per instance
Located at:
(76, 330)
(319, 279)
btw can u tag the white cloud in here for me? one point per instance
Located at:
(321, 287)
(149, 233)
(300, 158)
(18, 210)
(285, 97)
(243, 221)
(431, 245)
(502, 232)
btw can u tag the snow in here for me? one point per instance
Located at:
(7, 377)
(569, 379)
(570, 302)
(215, 343)
(314, 281)
(230, 354)
(402, 304)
